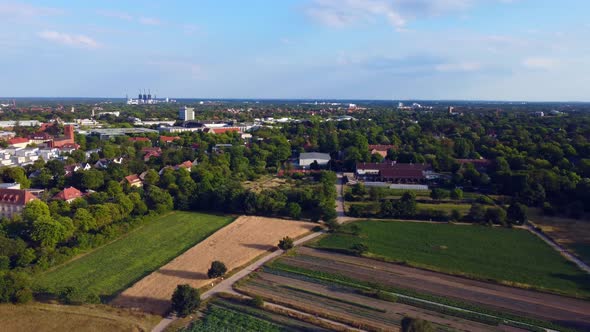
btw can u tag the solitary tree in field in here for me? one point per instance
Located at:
(216, 270)
(286, 243)
(185, 300)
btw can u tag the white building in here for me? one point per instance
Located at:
(186, 113)
(307, 158)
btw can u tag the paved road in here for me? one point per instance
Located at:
(564, 252)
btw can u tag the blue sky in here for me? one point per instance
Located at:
(371, 49)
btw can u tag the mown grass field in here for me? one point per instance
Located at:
(513, 256)
(42, 317)
(116, 266)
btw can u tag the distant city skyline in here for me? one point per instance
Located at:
(520, 50)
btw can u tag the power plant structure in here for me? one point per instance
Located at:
(146, 99)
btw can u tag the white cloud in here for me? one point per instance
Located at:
(22, 10)
(115, 14)
(339, 13)
(458, 67)
(149, 21)
(69, 39)
(128, 17)
(540, 63)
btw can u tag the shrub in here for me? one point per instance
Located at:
(359, 249)
(286, 243)
(416, 325)
(14, 287)
(71, 295)
(216, 270)
(23, 295)
(185, 300)
(257, 301)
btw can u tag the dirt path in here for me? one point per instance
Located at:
(519, 301)
(236, 244)
(560, 249)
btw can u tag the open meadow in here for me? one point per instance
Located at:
(117, 265)
(235, 245)
(41, 317)
(511, 256)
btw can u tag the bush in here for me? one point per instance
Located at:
(286, 243)
(185, 300)
(216, 270)
(71, 295)
(484, 200)
(548, 209)
(456, 193)
(257, 301)
(15, 287)
(23, 295)
(4, 263)
(359, 249)
(416, 325)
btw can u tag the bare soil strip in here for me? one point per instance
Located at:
(544, 306)
(236, 244)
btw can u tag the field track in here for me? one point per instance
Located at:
(236, 244)
(545, 306)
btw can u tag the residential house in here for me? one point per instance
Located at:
(12, 201)
(69, 194)
(133, 180)
(308, 158)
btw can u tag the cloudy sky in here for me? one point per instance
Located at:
(370, 49)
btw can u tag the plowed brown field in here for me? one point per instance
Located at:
(235, 245)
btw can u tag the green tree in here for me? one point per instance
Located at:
(48, 232)
(294, 210)
(34, 210)
(16, 174)
(15, 287)
(216, 270)
(495, 215)
(185, 300)
(456, 193)
(438, 193)
(517, 214)
(92, 179)
(84, 220)
(286, 243)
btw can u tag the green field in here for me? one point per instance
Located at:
(509, 255)
(223, 319)
(116, 266)
(446, 207)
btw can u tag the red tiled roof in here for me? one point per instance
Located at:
(169, 138)
(402, 173)
(186, 164)
(70, 146)
(133, 178)
(225, 130)
(16, 196)
(392, 165)
(151, 149)
(68, 194)
(18, 140)
(139, 139)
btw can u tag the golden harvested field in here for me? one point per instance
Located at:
(236, 244)
(40, 317)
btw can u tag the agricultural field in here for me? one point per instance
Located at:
(478, 301)
(235, 245)
(573, 234)
(373, 207)
(346, 305)
(117, 265)
(233, 315)
(510, 256)
(41, 317)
